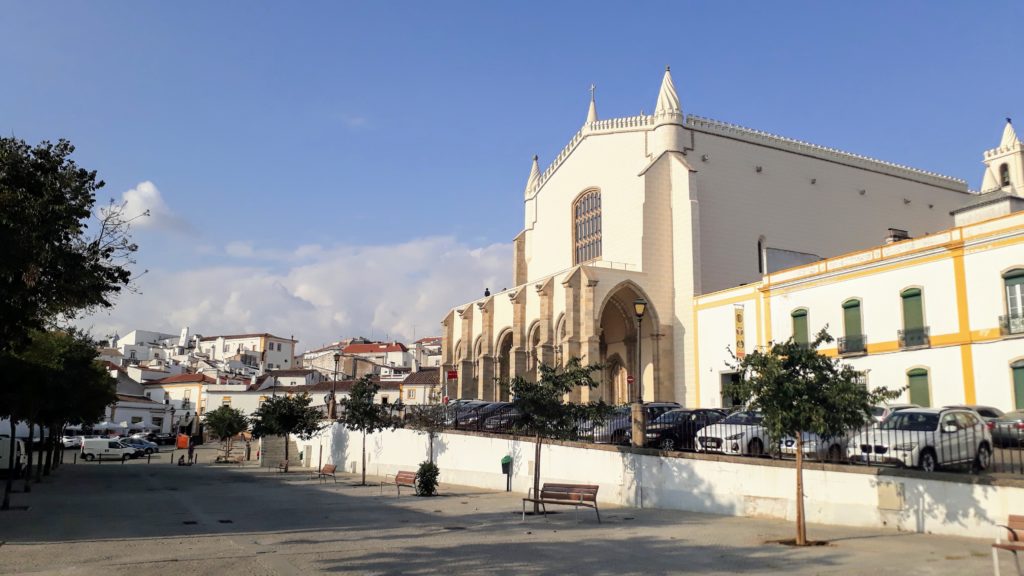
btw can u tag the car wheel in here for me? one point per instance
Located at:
(983, 460)
(618, 437)
(755, 447)
(835, 453)
(88, 457)
(927, 461)
(149, 451)
(667, 444)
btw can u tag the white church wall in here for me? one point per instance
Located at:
(738, 204)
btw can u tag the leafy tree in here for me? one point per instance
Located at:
(544, 414)
(430, 420)
(359, 412)
(426, 479)
(799, 390)
(226, 423)
(284, 415)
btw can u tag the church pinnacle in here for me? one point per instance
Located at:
(592, 112)
(668, 100)
(1009, 135)
(531, 182)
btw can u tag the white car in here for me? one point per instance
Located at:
(925, 438)
(832, 449)
(739, 433)
(71, 441)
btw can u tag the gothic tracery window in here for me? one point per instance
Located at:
(587, 227)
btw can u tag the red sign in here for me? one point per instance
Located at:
(629, 379)
(453, 374)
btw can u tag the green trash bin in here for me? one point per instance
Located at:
(506, 465)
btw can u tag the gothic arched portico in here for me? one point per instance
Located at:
(504, 348)
(617, 327)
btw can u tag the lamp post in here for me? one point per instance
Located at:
(639, 419)
(334, 386)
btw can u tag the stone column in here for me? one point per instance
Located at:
(545, 348)
(517, 356)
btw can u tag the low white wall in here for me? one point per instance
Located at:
(846, 496)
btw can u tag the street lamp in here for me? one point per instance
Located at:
(639, 423)
(334, 385)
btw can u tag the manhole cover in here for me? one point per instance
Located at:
(190, 522)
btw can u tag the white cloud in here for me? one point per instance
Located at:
(146, 198)
(330, 292)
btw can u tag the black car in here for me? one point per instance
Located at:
(474, 418)
(503, 421)
(162, 438)
(1008, 429)
(677, 429)
(465, 415)
(616, 429)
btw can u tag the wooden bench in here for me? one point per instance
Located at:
(403, 478)
(1013, 526)
(566, 494)
(327, 470)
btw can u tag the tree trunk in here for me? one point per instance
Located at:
(45, 444)
(28, 465)
(364, 458)
(10, 470)
(801, 527)
(286, 460)
(536, 472)
(51, 455)
(430, 456)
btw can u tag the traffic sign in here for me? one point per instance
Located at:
(453, 374)
(629, 380)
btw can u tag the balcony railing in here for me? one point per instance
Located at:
(914, 337)
(1011, 324)
(857, 344)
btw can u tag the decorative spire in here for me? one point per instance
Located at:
(668, 100)
(592, 113)
(531, 182)
(1009, 135)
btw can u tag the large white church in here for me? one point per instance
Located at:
(660, 209)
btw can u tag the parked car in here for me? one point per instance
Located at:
(1008, 429)
(503, 420)
(146, 446)
(617, 428)
(71, 441)
(830, 448)
(987, 413)
(161, 438)
(20, 456)
(926, 438)
(105, 449)
(739, 433)
(459, 414)
(677, 429)
(475, 417)
(882, 412)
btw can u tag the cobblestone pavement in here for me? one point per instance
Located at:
(155, 519)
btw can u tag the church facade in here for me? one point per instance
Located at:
(659, 209)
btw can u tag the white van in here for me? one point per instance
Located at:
(20, 457)
(105, 448)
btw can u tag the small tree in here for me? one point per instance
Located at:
(544, 414)
(227, 422)
(285, 415)
(428, 419)
(799, 390)
(362, 414)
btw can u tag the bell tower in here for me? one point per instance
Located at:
(1004, 165)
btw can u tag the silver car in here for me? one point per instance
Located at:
(926, 438)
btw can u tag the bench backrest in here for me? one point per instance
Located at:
(405, 478)
(584, 492)
(329, 469)
(1016, 522)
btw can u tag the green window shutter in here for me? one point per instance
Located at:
(1018, 385)
(917, 380)
(800, 334)
(851, 319)
(1014, 280)
(913, 313)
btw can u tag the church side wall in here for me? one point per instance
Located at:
(828, 217)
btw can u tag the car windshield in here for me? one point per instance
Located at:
(916, 421)
(743, 418)
(671, 417)
(877, 411)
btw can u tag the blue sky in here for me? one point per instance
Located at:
(326, 169)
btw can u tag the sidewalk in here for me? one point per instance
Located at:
(160, 519)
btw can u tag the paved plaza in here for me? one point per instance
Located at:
(155, 519)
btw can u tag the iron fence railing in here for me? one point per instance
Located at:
(914, 337)
(856, 344)
(1011, 324)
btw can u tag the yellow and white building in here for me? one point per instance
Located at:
(941, 315)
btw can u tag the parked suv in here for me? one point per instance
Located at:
(677, 429)
(926, 438)
(739, 433)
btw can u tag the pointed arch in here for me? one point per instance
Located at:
(586, 226)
